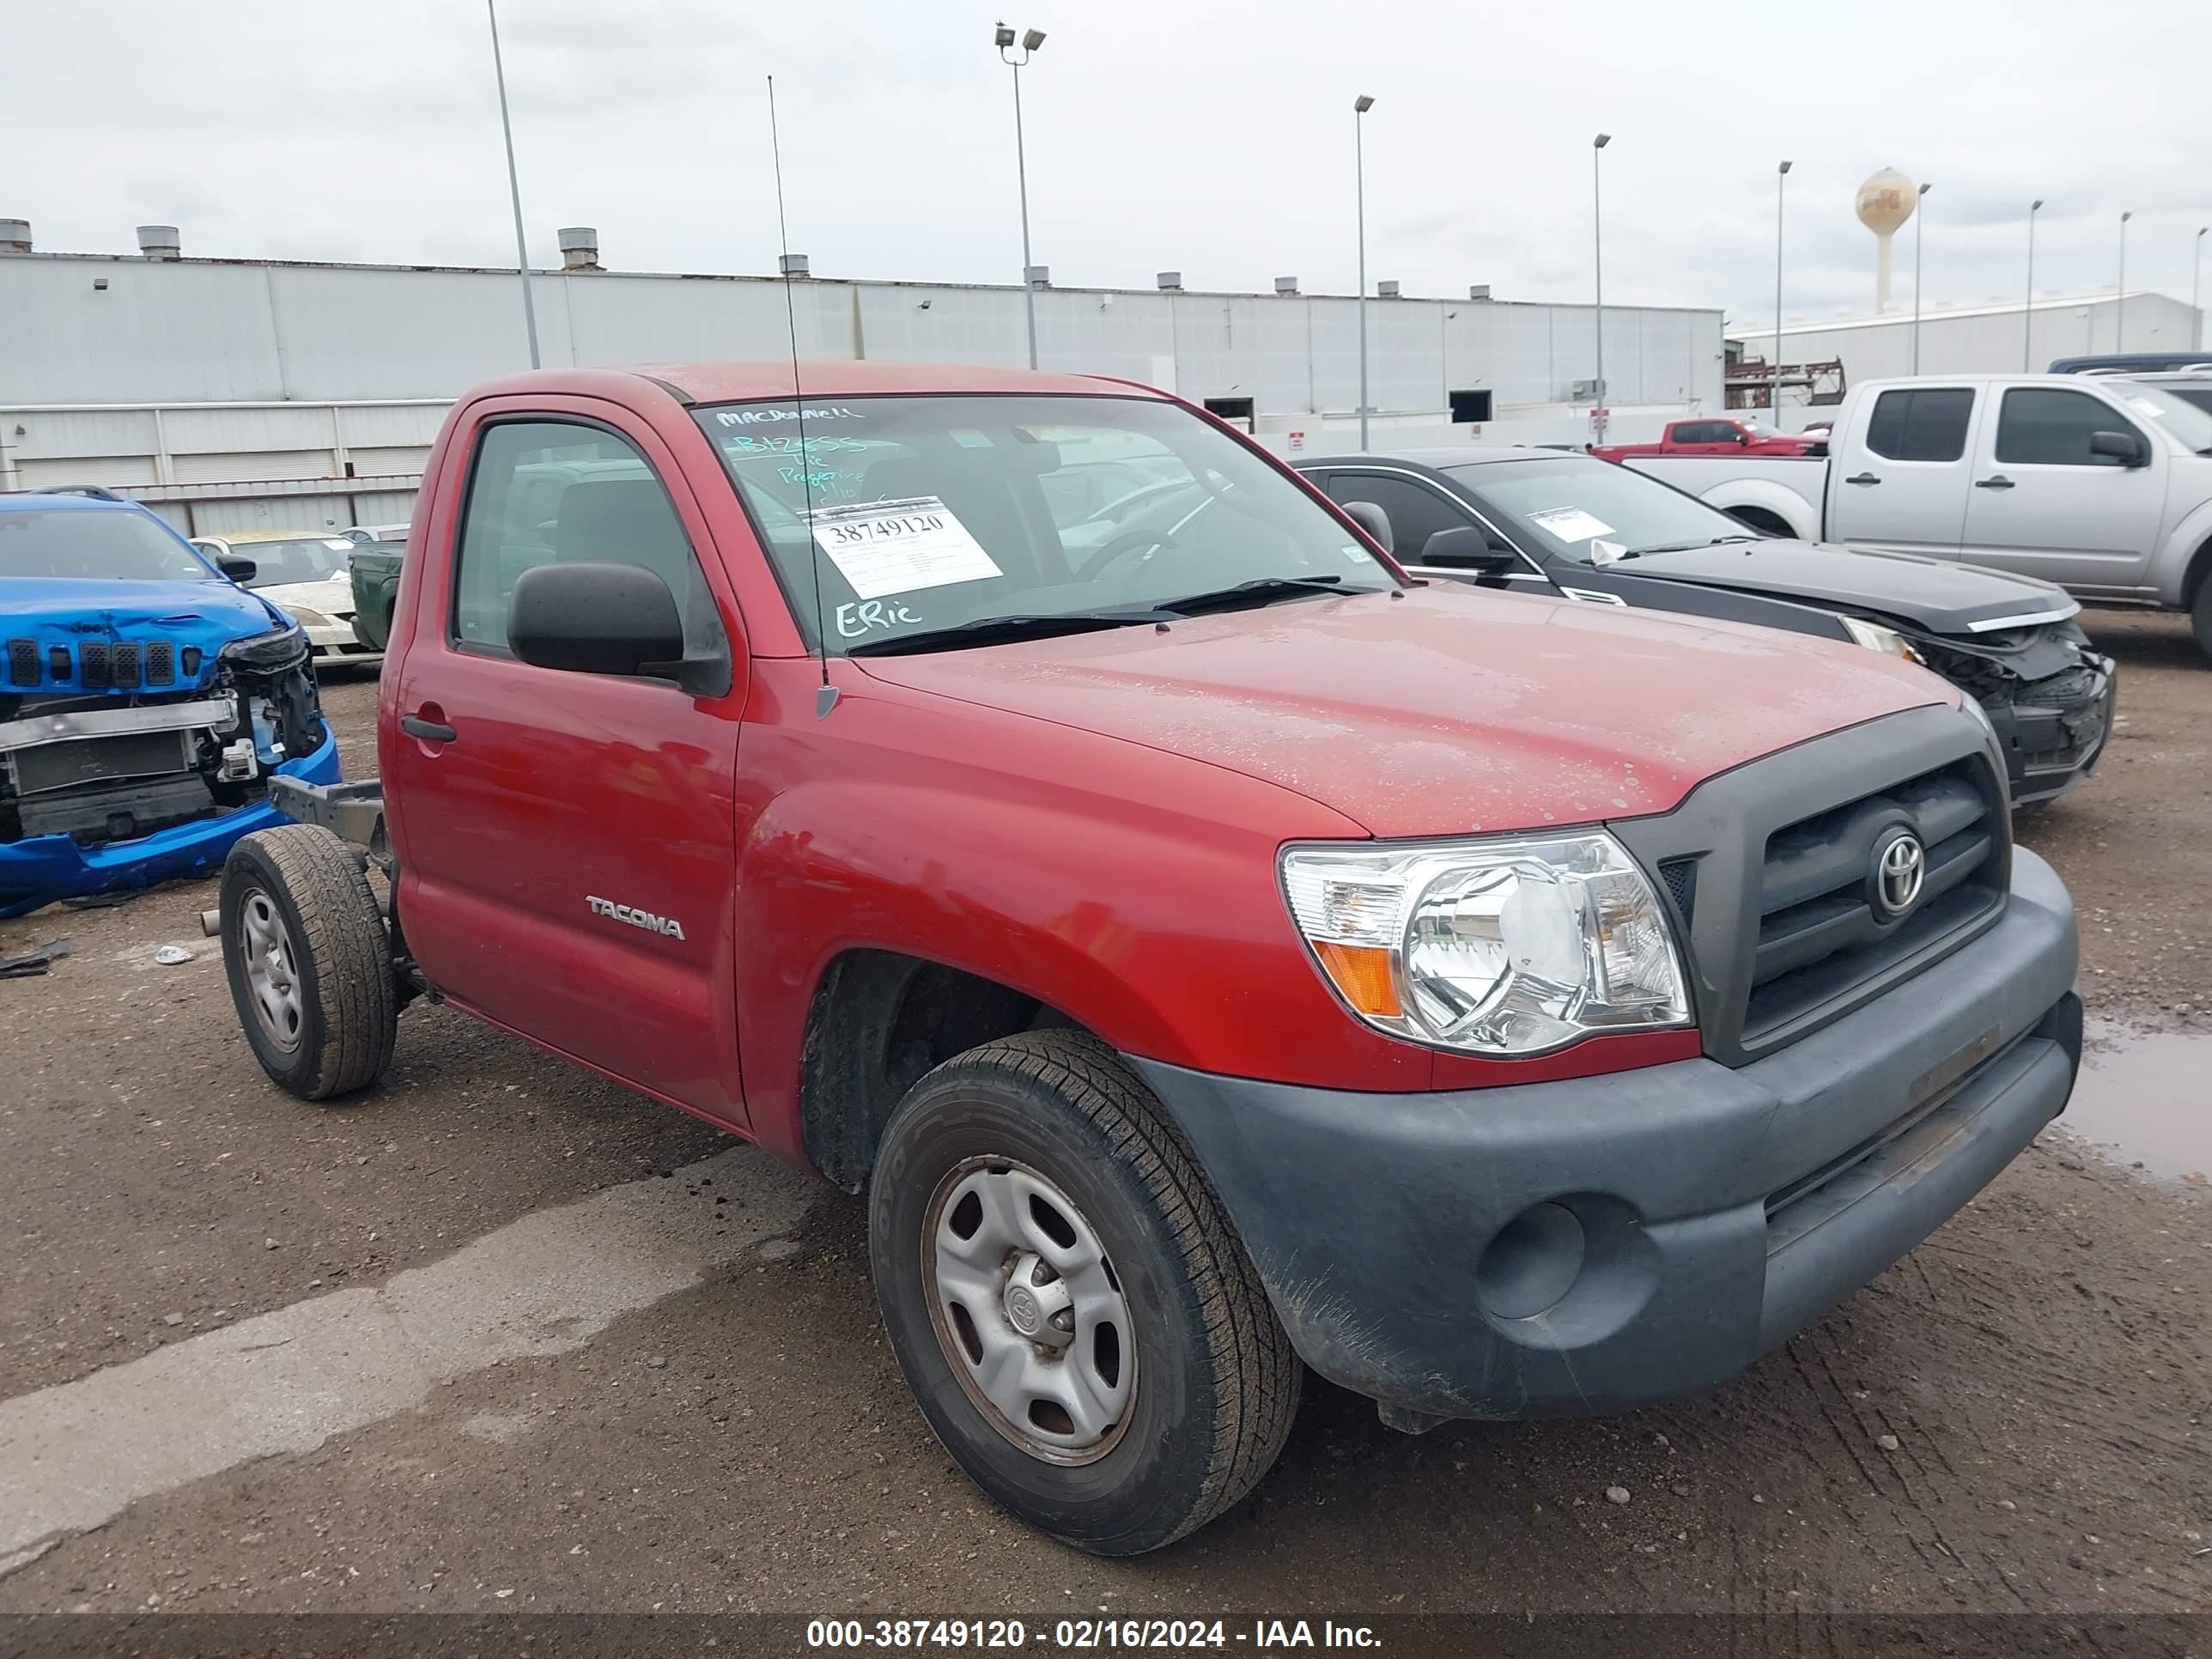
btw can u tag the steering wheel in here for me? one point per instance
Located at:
(1122, 545)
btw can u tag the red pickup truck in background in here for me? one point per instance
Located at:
(1214, 953)
(1708, 434)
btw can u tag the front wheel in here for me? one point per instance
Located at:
(309, 962)
(1081, 1328)
(2200, 615)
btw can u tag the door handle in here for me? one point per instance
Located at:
(1995, 481)
(1862, 478)
(429, 731)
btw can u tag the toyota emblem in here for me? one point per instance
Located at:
(1900, 866)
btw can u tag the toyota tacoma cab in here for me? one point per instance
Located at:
(1539, 522)
(1709, 435)
(2102, 486)
(1214, 953)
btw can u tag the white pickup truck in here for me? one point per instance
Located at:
(2102, 486)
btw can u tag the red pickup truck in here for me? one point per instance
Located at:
(1214, 953)
(1732, 435)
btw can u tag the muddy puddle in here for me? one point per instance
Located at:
(2145, 1098)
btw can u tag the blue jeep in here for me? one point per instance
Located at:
(145, 700)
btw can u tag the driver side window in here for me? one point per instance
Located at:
(1415, 511)
(549, 492)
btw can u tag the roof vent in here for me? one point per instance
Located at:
(1479, 291)
(1386, 290)
(1171, 281)
(158, 241)
(1037, 276)
(1286, 285)
(580, 248)
(14, 235)
(792, 264)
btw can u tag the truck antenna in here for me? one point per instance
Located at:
(826, 698)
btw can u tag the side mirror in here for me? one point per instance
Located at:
(596, 619)
(240, 570)
(2125, 447)
(1372, 520)
(1743, 437)
(1464, 547)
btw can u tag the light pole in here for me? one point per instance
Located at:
(1004, 38)
(2196, 286)
(1775, 395)
(1360, 106)
(1597, 219)
(1918, 218)
(2120, 297)
(514, 186)
(2028, 316)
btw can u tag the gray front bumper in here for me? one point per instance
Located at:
(1596, 1243)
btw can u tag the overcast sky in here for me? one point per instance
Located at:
(1214, 136)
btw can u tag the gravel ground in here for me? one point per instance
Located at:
(2012, 1419)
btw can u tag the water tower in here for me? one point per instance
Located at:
(1886, 202)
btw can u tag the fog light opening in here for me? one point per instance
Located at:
(1530, 1265)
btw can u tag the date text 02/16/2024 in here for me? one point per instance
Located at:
(1080, 1635)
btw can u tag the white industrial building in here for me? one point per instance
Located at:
(1984, 339)
(179, 378)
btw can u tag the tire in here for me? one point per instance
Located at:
(1212, 1382)
(2200, 615)
(323, 1014)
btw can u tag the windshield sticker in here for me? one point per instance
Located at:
(1354, 553)
(1606, 552)
(887, 548)
(771, 416)
(2144, 406)
(1569, 524)
(854, 620)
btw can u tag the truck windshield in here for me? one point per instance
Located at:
(2183, 422)
(925, 515)
(123, 545)
(1571, 507)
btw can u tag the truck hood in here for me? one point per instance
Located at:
(66, 612)
(1448, 711)
(1938, 595)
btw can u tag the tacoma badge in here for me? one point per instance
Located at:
(653, 924)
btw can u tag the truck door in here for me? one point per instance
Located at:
(2044, 504)
(565, 840)
(1898, 482)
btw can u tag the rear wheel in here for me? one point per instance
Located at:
(1079, 1325)
(309, 963)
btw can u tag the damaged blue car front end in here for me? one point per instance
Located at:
(146, 700)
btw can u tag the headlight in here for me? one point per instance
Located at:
(1875, 637)
(1499, 947)
(276, 649)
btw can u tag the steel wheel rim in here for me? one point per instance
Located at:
(273, 973)
(1028, 1311)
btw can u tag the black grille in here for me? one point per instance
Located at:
(58, 661)
(160, 663)
(23, 662)
(2061, 691)
(1681, 876)
(126, 666)
(92, 666)
(1818, 935)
